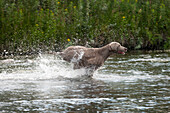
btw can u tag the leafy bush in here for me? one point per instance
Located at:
(36, 25)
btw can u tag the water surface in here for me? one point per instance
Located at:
(135, 82)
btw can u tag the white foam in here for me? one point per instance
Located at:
(6, 61)
(51, 67)
(135, 75)
(45, 67)
(77, 56)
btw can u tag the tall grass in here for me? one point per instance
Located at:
(37, 25)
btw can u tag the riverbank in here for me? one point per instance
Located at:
(30, 27)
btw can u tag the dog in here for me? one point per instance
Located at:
(90, 58)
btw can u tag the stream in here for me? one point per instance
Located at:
(136, 82)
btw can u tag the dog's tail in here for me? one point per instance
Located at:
(56, 53)
(59, 53)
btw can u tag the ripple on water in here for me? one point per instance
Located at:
(130, 83)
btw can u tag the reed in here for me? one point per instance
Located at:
(39, 25)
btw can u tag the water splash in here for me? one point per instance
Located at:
(77, 56)
(46, 82)
(47, 66)
(42, 67)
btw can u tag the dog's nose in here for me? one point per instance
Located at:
(125, 49)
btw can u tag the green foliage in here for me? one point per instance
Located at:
(30, 25)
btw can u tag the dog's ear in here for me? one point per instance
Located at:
(114, 45)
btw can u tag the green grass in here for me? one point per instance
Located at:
(38, 25)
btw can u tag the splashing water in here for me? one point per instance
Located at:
(42, 67)
(77, 56)
(52, 67)
(133, 82)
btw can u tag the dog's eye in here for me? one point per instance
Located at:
(118, 47)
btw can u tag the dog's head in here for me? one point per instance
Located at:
(116, 47)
